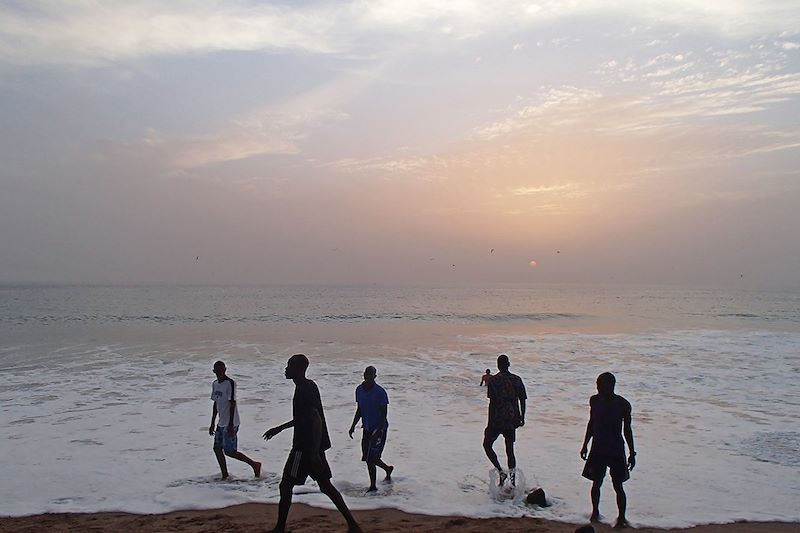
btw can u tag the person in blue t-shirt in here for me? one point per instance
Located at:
(372, 406)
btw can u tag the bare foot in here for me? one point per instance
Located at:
(224, 477)
(621, 524)
(354, 529)
(372, 489)
(389, 473)
(257, 469)
(503, 477)
(595, 518)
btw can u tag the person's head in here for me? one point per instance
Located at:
(488, 371)
(503, 363)
(605, 383)
(369, 374)
(219, 369)
(296, 366)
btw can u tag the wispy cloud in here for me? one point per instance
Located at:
(678, 89)
(561, 189)
(278, 128)
(638, 121)
(557, 105)
(263, 133)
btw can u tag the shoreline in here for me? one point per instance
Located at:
(252, 517)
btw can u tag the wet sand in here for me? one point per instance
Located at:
(256, 517)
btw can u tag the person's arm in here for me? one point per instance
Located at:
(589, 433)
(627, 430)
(277, 429)
(316, 433)
(231, 411)
(356, 418)
(384, 411)
(213, 418)
(586, 439)
(522, 412)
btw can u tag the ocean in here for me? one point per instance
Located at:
(105, 395)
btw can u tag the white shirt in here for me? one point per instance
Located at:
(222, 393)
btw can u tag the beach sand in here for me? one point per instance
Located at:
(254, 517)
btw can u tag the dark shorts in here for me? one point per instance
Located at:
(223, 440)
(372, 443)
(299, 466)
(595, 468)
(492, 432)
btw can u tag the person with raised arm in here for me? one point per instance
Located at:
(507, 397)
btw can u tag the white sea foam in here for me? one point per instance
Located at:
(123, 426)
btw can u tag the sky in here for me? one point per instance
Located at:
(400, 142)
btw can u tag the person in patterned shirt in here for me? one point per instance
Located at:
(507, 396)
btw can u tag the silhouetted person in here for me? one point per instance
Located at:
(485, 378)
(609, 418)
(310, 441)
(223, 393)
(507, 396)
(372, 407)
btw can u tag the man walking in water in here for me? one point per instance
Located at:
(310, 441)
(486, 377)
(507, 397)
(372, 407)
(223, 392)
(609, 418)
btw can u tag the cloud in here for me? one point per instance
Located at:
(274, 129)
(96, 32)
(555, 105)
(91, 32)
(548, 189)
(265, 133)
(676, 90)
(683, 123)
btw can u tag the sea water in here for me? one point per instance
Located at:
(105, 395)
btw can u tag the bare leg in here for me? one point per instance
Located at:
(283, 506)
(387, 468)
(512, 459)
(330, 491)
(622, 503)
(487, 447)
(256, 466)
(596, 501)
(223, 466)
(372, 474)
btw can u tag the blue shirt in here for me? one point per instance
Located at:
(370, 402)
